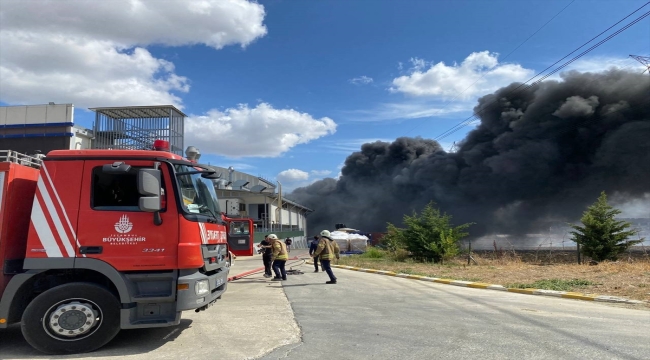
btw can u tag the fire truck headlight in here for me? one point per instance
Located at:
(202, 287)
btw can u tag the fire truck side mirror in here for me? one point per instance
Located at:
(149, 188)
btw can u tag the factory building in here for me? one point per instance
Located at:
(34, 129)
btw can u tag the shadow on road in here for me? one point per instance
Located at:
(127, 342)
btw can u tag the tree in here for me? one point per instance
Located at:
(429, 235)
(601, 236)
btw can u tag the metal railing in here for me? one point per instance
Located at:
(34, 161)
(260, 226)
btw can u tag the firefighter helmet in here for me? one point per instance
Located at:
(325, 233)
(273, 237)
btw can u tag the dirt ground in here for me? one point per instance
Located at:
(629, 277)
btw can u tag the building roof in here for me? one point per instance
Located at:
(138, 112)
(285, 200)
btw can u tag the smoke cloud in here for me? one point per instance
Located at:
(539, 155)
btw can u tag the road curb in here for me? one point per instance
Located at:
(480, 285)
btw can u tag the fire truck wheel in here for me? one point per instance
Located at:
(71, 318)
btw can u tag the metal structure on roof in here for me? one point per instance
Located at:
(137, 127)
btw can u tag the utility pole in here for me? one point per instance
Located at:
(280, 202)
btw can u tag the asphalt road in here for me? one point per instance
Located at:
(369, 316)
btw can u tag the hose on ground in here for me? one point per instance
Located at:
(302, 262)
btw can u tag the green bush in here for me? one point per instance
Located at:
(373, 253)
(399, 255)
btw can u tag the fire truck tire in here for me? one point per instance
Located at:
(71, 318)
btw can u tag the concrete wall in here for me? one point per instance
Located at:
(82, 139)
(36, 115)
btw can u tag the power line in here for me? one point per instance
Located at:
(475, 114)
(446, 104)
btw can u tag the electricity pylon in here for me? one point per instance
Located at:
(645, 60)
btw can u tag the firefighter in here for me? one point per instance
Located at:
(327, 250)
(280, 257)
(267, 255)
(312, 248)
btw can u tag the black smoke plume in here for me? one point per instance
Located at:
(542, 154)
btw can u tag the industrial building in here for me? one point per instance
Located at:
(38, 129)
(249, 196)
(34, 129)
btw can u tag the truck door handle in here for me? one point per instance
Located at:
(90, 249)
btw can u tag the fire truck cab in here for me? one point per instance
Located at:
(94, 241)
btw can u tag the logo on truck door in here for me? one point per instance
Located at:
(123, 226)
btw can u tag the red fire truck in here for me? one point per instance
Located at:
(94, 241)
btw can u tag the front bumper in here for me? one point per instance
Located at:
(189, 300)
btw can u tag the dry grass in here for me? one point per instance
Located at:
(628, 278)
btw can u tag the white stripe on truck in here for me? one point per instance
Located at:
(43, 231)
(55, 217)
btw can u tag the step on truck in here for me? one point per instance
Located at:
(94, 241)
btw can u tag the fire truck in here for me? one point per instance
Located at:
(94, 241)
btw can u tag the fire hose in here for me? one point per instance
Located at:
(291, 271)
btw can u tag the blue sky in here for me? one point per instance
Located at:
(288, 89)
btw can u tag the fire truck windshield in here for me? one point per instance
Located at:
(198, 192)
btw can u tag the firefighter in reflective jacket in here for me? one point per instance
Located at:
(280, 257)
(327, 250)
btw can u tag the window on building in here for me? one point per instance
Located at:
(242, 207)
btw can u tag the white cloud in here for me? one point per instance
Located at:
(480, 73)
(409, 110)
(361, 80)
(261, 131)
(443, 97)
(92, 53)
(86, 73)
(294, 178)
(418, 64)
(292, 175)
